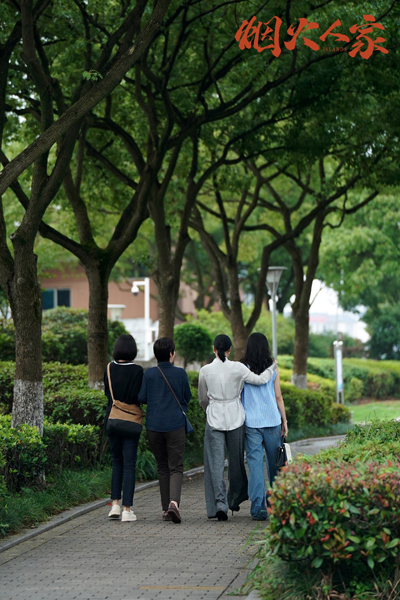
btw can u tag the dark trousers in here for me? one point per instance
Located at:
(214, 458)
(124, 452)
(168, 448)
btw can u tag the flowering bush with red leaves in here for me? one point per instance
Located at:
(330, 513)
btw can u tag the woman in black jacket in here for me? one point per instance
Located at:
(126, 379)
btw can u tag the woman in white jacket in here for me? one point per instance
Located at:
(220, 387)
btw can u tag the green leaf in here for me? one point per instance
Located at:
(354, 539)
(393, 543)
(317, 562)
(370, 562)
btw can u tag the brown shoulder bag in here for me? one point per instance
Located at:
(125, 419)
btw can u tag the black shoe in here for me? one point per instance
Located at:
(236, 509)
(221, 515)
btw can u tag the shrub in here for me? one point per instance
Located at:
(70, 446)
(64, 336)
(197, 417)
(193, 342)
(384, 328)
(314, 382)
(381, 432)
(7, 343)
(74, 405)
(23, 455)
(26, 455)
(348, 513)
(354, 389)
(306, 406)
(321, 345)
(340, 413)
(7, 370)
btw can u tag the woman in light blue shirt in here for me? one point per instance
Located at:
(265, 422)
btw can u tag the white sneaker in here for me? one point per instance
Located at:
(128, 515)
(115, 512)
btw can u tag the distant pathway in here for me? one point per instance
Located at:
(93, 558)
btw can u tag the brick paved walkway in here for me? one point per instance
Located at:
(94, 558)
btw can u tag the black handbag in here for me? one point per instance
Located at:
(188, 425)
(283, 455)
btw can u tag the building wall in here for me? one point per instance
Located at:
(118, 293)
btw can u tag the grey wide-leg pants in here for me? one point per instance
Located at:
(214, 457)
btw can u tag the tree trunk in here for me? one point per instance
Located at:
(97, 333)
(301, 306)
(299, 376)
(240, 335)
(239, 330)
(26, 307)
(168, 291)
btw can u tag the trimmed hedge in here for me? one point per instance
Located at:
(314, 382)
(68, 399)
(26, 455)
(377, 441)
(362, 378)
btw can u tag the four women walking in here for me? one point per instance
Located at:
(243, 404)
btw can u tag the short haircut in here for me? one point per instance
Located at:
(163, 348)
(125, 348)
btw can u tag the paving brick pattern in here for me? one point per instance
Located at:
(97, 559)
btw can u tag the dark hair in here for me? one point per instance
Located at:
(125, 348)
(163, 348)
(222, 343)
(257, 355)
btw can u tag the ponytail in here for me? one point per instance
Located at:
(221, 355)
(222, 344)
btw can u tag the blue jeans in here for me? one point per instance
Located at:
(124, 452)
(268, 438)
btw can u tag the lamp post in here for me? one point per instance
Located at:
(147, 329)
(338, 354)
(273, 277)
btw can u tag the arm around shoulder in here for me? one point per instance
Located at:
(250, 377)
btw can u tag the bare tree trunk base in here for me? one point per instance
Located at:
(300, 381)
(96, 385)
(28, 404)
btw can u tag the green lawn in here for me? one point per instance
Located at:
(385, 409)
